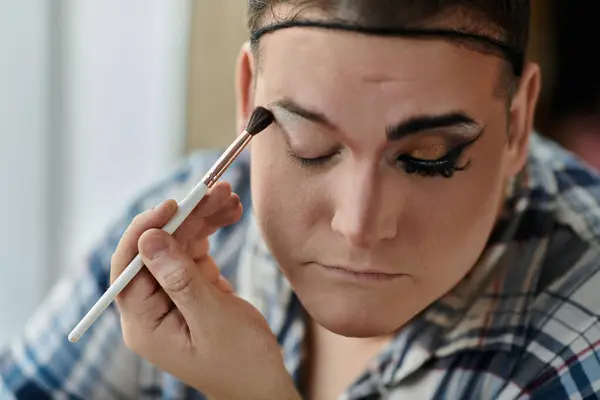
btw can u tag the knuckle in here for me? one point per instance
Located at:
(202, 247)
(138, 219)
(199, 249)
(115, 267)
(133, 341)
(233, 218)
(142, 218)
(146, 235)
(115, 259)
(177, 281)
(182, 237)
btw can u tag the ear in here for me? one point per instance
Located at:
(522, 113)
(244, 86)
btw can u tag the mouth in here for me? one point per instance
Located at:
(360, 275)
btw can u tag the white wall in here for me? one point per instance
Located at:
(92, 109)
(125, 107)
(24, 161)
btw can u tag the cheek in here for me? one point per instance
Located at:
(454, 225)
(287, 205)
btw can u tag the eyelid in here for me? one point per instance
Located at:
(459, 145)
(318, 155)
(449, 145)
(281, 114)
(452, 143)
(320, 144)
(429, 152)
(406, 157)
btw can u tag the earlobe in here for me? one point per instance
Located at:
(244, 86)
(522, 114)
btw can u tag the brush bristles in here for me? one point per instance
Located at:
(259, 121)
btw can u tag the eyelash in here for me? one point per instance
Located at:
(312, 162)
(445, 166)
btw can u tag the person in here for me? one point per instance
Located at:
(399, 231)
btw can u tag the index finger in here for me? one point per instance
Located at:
(127, 248)
(157, 218)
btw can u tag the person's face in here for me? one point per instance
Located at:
(365, 244)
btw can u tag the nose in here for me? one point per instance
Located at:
(363, 214)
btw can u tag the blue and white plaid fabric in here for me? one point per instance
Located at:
(523, 324)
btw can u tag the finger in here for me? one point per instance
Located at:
(198, 247)
(212, 203)
(176, 272)
(143, 300)
(224, 285)
(143, 303)
(127, 248)
(230, 215)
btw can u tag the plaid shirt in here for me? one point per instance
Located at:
(523, 324)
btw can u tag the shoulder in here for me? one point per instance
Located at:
(570, 184)
(570, 251)
(561, 356)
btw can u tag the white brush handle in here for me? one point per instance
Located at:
(186, 206)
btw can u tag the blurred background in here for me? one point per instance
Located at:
(98, 98)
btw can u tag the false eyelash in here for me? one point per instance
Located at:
(428, 170)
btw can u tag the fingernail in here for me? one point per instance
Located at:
(155, 247)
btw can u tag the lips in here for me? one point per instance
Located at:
(362, 271)
(359, 274)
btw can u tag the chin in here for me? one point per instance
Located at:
(346, 318)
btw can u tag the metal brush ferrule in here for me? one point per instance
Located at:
(238, 145)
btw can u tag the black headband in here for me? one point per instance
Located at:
(513, 56)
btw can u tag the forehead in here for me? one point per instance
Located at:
(325, 64)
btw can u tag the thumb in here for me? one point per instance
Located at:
(174, 270)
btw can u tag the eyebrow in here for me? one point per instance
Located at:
(422, 123)
(313, 116)
(412, 126)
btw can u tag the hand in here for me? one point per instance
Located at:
(181, 315)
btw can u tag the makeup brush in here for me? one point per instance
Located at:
(261, 118)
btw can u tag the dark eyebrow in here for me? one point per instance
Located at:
(423, 123)
(412, 126)
(313, 116)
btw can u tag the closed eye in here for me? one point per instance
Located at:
(445, 165)
(312, 162)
